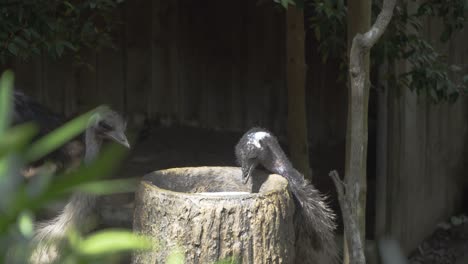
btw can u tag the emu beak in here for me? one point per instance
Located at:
(247, 171)
(125, 143)
(120, 138)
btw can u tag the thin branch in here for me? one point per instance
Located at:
(381, 23)
(339, 184)
(361, 44)
(351, 228)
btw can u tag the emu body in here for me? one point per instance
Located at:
(27, 109)
(104, 124)
(259, 147)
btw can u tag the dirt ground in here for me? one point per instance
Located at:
(448, 244)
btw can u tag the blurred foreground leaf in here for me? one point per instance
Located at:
(110, 186)
(176, 257)
(58, 137)
(16, 138)
(25, 224)
(6, 90)
(21, 198)
(112, 241)
(229, 260)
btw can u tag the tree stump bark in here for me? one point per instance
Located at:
(209, 215)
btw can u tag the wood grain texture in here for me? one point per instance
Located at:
(254, 228)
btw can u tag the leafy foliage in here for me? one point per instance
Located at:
(328, 21)
(19, 200)
(429, 72)
(54, 27)
(452, 13)
(286, 3)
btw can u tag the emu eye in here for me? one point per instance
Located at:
(105, 126)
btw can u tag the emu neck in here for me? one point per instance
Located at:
(79, 212)
(93, 145)
(81, 205)
(281, 165)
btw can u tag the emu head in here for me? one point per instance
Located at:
(256, 147)
(109, 125)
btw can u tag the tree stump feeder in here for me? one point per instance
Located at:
(209, 214)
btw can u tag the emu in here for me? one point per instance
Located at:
(105, 124)
(71, 154)
(260, 147)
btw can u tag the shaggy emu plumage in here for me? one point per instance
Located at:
(259, 147)
(104, 124)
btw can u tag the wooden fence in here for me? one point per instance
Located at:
(214, 63)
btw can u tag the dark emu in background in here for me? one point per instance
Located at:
(103, 125)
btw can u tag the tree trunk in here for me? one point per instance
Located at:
(352, 192)
(359, 21)
(209, 215)
(296, 67)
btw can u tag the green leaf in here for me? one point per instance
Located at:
(433, 94)
(69, 5)
(21, 42)
(58, 137)
(325, 57)
(229, 260)
(64, 183)
(34, 33)
(317, 33)
(176, 257)
(16, 138)
(284, 3)
(465, 79)
(110, 186)
(13, 48)
(26, 224)
(112, 241)
(298, 3)
(59, 50)
(69, 45)
(6, 87)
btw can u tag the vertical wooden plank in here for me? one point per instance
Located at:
(421, 150)
(138, 64)
(192, 62)
(174, 59)
(160, 95)
(43, 91)
(220, 63)
(182, 58)
(254, 70)
(382, 186)
(55, 71)
(28, 77)
(237, 92)
(275, 69)
(111, 72)
(86, 83)
(207, 44)
(69, 94)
